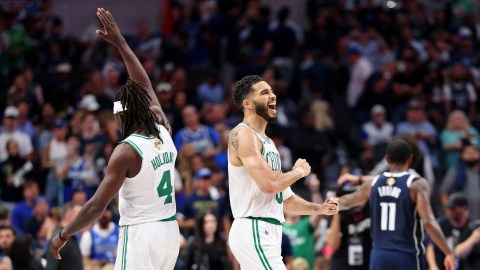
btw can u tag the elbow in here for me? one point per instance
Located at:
(268, 188)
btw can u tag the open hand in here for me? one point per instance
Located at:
(111, 32)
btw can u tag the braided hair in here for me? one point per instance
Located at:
(137, 116)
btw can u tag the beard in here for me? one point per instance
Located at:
(470, 163)
(262, 111)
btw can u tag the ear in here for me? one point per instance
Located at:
(247, 104)
(410, 160)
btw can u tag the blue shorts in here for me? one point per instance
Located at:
(396, 260)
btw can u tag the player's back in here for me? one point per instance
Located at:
(396, 224)
(149, 196)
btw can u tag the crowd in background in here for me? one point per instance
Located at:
(349, 77)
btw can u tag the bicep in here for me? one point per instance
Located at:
(421, 196)
(122, 157)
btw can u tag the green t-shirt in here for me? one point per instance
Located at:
(301, 239)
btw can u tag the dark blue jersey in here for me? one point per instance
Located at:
(396, 224)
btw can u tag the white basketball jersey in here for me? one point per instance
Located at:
(150, 196)
(246, 199)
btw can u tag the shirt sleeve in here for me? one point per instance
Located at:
(287, 193)
(86, 244)
(472, 95)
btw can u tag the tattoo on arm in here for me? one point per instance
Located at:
(234, 140)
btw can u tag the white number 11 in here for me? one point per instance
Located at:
(388, 216)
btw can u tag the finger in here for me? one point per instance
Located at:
(110, 16)
(101, 33)
(100, 17)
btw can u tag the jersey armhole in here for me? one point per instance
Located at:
(134, 146)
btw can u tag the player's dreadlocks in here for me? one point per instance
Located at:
(138, 116)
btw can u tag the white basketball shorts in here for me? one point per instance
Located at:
(148, 246)
(256, 244)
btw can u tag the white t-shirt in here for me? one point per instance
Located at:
(22, 139)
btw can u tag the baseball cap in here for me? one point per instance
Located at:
(465, 32)
(377, 109)
(203, 173)
(456, 199)
(40, 200)
(59, 123)
(11, 111)
(414, 105)
(163, 87)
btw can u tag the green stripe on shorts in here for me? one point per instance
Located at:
(124, 251)
(255, 244)
(260, 247)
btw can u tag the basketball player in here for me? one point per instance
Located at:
(259, 191)
(400, 209)
(140, 170)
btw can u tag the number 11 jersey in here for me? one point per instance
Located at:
(149, 196)
(396, 224)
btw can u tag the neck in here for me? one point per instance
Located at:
(103, 226)
(256, 122)
(209, 239)
(396, 168)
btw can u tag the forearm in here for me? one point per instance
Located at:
(298, 206)
(284, 180)
(464, 249)
(87, 215)
(333, 238)
(436, 234)
(431, 257)
(134, 67)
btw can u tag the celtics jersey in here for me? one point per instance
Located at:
(246, 198)
(149, 196)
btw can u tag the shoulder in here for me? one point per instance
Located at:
(419, 184)
(125, 153)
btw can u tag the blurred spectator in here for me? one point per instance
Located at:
(199, 202)
(71, 255)
(283, 150)
(418, 125)
(207, 249)
(459, 93)
(7, 236)
(468, 249)
(211, 91)
(300, 229)
(21, 254)
(33, 224)
(300, 264)
(165, 95)
(361, 69)
(287, 251)
(221, 158)
(465, 178)
(13, 172)
(464, 50)
(54, 158)
(100, 242)
(349, 237)
(5, 216)
(24, 143)
(453, 224)
(23, 121)
(145, 43)
(23, 210)
(378, 133)
(203, 138)
(457, 131)
(5, 263)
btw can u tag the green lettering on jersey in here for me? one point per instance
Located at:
(279, 197)
(161, 159)
(273, 159)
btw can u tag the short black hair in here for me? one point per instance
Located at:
(243, 88)
(398, 151)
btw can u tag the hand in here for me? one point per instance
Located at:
(331, 206)
(303, 165)
(449, 262)
(56, 245)
(346, 177)
(111, 32)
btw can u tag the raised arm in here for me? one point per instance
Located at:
(420, 194)
(136, 72)
(244, 148)
(120, 162)
(356, 198)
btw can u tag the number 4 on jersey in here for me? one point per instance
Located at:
(165, 187)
